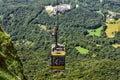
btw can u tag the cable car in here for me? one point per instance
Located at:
(57, 53)
(58, 57)
(57, 50)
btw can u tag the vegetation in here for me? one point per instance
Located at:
(82, 50)
(10, 65)
(116, 45)
(96, 32)
(112, 29)
(30, 28)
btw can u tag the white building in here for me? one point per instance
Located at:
(58, 8)
(49, 8)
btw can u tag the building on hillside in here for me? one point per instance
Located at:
(61, 8)
(49, 8)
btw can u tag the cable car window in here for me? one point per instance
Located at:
(58, 61)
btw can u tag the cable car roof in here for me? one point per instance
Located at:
(60, 51)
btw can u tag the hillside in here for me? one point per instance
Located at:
(10, 65)
(84, 28)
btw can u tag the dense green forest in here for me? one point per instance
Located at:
(22, 20)
(10, 65)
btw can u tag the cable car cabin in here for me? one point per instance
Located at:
(58, 57)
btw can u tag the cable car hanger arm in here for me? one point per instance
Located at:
(56, 27)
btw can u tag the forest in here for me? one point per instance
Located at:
(30, 26)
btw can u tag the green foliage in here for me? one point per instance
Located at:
(6, 76)
(10, 65)
(21, 19)
(82, 50)
(96, 32)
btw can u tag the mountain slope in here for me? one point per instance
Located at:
(10, 65)
(24, 19)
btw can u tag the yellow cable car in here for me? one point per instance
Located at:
(58, 57)
(57, 50)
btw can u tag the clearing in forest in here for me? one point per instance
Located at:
(82, 50)
(98, 45)
(112, 29)
(42, 27)
(116, 45)
(96, 32)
